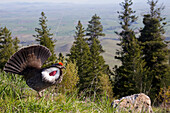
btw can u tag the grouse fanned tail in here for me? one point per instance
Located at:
(31, 57)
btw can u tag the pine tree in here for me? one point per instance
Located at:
(80, 53)
(8, 46)
(154, 47)
(97, 63)
(95, 30)
(131, 76)
(44, 37)
(132, 68)
(127, 18)
(76, 49)
(98, 67)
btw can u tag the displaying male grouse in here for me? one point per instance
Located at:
(28, 61)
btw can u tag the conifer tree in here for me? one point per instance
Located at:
(80, 53)
(44, 37)
(98, 67)
(97, 63)
(154, 47)
(95, 30)
(131, 76)
(132, 68)
(8, 46)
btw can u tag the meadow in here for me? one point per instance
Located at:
(17, 97)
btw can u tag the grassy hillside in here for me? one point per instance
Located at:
(16, 96)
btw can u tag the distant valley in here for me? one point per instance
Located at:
(22, 19)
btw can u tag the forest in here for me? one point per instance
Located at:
(89, 83)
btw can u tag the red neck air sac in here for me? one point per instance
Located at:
(53, 73)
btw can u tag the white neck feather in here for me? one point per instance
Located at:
(52, 79)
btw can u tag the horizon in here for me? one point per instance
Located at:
(76, 1)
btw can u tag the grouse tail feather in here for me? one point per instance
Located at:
(27, 57)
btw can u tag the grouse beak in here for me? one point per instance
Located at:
(61, 67)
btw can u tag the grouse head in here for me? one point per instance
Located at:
(52, 74)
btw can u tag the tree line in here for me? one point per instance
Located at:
(144, 56)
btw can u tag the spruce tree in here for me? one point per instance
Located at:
(154, 47)
(8, 46)
(76, 49)
(45, 38)
(80, 53)
(132, 68)
(95, 30)
(98, 67)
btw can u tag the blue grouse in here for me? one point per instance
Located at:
(28, 61)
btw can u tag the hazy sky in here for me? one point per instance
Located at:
(79, 1)
(68, 1)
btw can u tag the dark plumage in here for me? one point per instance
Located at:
(28, 61)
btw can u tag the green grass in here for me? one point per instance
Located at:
(16, 96)
(160, 110)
